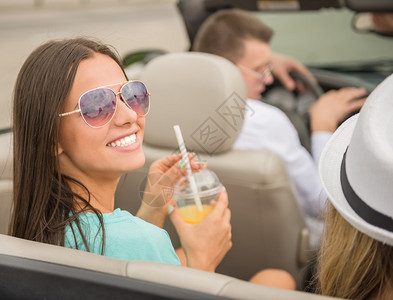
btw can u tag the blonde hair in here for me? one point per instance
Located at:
(352, 264)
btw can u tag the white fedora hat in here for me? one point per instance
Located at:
(356, 166)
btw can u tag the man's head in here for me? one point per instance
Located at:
(244, 40)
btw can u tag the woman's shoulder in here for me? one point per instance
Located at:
(119, 225)
(122, 220)
(118, 219)
(117, 216)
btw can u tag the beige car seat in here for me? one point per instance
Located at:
(32, 270)
(205, 95)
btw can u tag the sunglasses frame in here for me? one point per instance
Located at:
(116, 94)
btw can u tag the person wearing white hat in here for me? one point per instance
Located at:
(356, 168)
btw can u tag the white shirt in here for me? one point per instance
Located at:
(266, 127)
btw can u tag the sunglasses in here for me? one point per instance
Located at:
(98, 106)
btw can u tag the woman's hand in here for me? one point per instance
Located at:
(163, 175)
(206, 243)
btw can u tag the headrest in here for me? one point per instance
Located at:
(202, 93)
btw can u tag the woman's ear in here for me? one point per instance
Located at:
(59, 149)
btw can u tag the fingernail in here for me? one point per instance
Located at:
(223, 188)
(170, 209)
(182, 163)
(193, 153)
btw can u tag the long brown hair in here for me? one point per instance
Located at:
(351, 264)
(43, 202)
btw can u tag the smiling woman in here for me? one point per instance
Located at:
(78, 126)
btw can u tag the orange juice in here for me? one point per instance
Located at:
(191, 214)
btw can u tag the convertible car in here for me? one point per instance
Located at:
(154, 38)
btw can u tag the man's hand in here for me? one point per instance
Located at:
(333, 106)
(282, 65)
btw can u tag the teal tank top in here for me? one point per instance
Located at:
(126, 237)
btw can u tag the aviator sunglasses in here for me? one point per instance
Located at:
(98, 106)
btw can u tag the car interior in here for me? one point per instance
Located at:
(268, 227)
(261, 194)
(296, 106)
(265, 199)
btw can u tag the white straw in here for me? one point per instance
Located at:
(190, 175)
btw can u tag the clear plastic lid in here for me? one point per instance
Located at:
(206, 181)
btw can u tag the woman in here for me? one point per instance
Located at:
(78, 126)
(356, 168)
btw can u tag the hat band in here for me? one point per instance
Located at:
(363, 210)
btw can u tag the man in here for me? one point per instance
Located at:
(244, 40)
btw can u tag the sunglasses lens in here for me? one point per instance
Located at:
(137, 97)
(98, 106)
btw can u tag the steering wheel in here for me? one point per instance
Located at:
(296, 106)
(314, 87)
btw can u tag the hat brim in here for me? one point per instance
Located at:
(329, 171)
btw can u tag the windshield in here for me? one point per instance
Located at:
(325, 39)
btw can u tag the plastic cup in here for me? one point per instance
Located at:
(209, 187)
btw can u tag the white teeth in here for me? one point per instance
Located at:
(123, 142)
